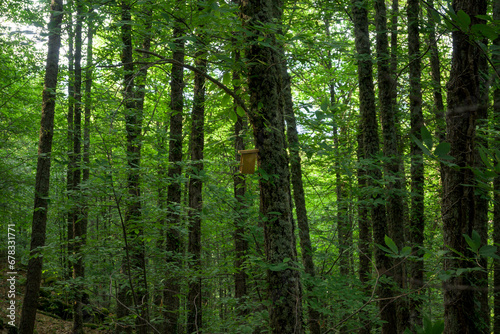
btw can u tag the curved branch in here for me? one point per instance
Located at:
(228, 91)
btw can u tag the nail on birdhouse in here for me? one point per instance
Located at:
(247, 162)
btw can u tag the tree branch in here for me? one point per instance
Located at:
(228, 91)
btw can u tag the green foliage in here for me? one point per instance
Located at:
(430, 327)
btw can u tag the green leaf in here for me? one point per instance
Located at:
(426, 137)
(484, 17)
(442, 150)
(483, 153)
(225, 100)
(391, 244)
(484, 30)
(419, 144)
(240, 111)
(278, 267)
(232, 116)
(463, 20)
(406, 251)
(226, 78)
(489, 251)
(435, 16)
(476, 237)
(446, 275)
(473, 242)
(385, 249)
(324, 104)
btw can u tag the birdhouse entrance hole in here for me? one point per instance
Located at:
(247, 162)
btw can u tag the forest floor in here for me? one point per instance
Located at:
(45, 324)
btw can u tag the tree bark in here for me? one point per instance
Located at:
(266, 116)
(365, 79)
(417, 220)
(299, 199)
(369, 131)
(71, 156)
(142, 321)
(134, 295)
(240, 188)
(365, 238)
(194, 317)
(496, 180)
(78, 218)
(460, 312)
(42, 181)
(481, 195)
(174, 188)
(436, 79)
(394, 194)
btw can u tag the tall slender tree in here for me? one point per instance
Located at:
(174, 189)
(71, 160)
(481, 195)
(496, 180)
(42, 181)
(78, 217)
(365, 80)
(394, 205)
(438, 107)
(240, 188)
(460, 312)
(416, 228)
(134, 294)
(369, 131)
(299, 198)
(194, 318)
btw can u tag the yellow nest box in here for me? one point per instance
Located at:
(247, 162)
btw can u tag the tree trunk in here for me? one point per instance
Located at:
(496, 180)
(481, 195)
(77, 195)
(436, 79)
(343, 226)
(142, 320)
(133, 264)
(71, 156)
(360, 17)
(299, 199)
(417, 223)
(365, 238)
(369, 130)
(240, 188)
(266, 116)
(460, 312)
(394, 202)
(42, 181)
(194, 317)
(86, 136)
(174, 189)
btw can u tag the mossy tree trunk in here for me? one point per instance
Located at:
(300, 199)
(266, 116)
(461, 314)
(394, 195)
(174, 189)
(496, 181)
(132, 296)
(417, 220)
(194, 317)
(42, 180)
(369, 131)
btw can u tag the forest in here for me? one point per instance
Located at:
(250, 166)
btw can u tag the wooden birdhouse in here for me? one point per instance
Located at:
(247, 162)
